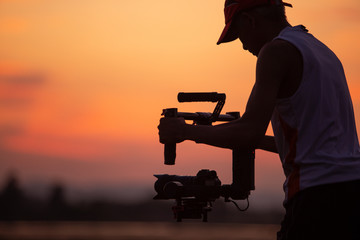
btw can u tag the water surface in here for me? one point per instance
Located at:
(135, 231)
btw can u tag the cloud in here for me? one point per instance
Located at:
(7, 130)
(29, 79)
(10, 129)
(18, 90)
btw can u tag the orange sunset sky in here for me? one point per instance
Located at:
(83, 84)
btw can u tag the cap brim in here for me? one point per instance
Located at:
(228, 34)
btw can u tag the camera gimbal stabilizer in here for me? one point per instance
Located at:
(194, 194)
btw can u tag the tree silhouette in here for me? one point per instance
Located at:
(11, 200)
(58, 208)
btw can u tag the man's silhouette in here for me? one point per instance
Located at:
(301, 88)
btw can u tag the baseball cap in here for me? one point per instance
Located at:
(232, 7)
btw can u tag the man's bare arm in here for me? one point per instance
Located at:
(249, 130)
(268, 144)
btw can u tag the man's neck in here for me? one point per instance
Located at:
(273, 31)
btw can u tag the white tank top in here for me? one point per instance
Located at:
(315, 130)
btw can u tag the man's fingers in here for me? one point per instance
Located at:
(170, 130)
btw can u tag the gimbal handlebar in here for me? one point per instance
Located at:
(199, 118)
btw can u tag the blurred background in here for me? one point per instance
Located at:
(83, 84)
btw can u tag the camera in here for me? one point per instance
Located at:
(194, 195)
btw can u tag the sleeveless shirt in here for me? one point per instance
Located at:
(314, 129)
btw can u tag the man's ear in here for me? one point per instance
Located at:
(248, 19)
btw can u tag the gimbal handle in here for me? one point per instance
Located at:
(243, 170)
(170, 148)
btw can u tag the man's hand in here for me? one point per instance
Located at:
(172, 130)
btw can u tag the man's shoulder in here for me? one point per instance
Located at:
(280, 49)
(280, 55)
(281, 59)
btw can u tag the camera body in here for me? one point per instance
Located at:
(194, 195)
(204, 186)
